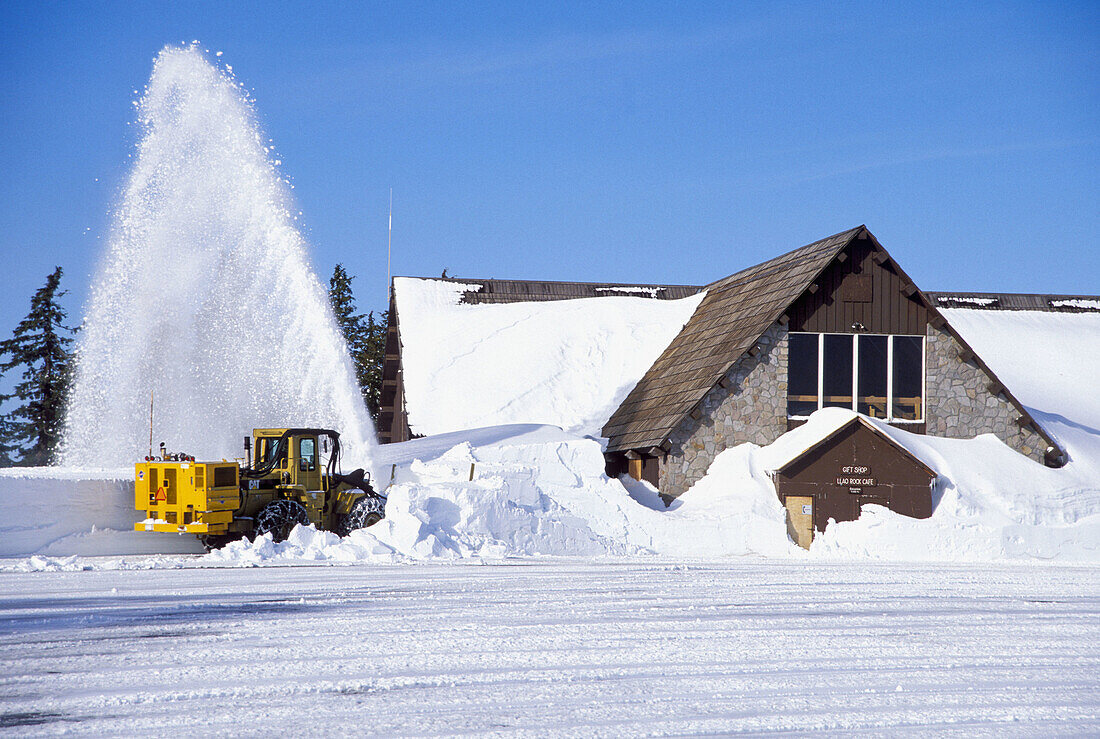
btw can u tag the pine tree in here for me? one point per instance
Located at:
(373, 357)
(366, 338)
(40, 345)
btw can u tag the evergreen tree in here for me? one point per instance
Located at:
(40, 345)
(366, 338)
(373, 357)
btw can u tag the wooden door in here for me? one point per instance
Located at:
(800, 519)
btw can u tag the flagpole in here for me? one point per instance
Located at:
(389, 248)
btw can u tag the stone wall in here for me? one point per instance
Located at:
(752, 408)
(960, 404)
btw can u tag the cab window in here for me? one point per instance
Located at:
(271, 449)
(307, 454)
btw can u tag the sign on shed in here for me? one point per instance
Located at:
(855, 465)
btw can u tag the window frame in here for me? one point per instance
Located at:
(855, 374)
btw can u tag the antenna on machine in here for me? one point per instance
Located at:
(150, 423)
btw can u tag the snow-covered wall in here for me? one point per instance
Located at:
(568, 363)
(56, 510)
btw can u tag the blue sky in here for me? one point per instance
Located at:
(674, 142)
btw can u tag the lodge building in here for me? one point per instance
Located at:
(835, 323)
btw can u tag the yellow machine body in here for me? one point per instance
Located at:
(223, 499)
(186, 497)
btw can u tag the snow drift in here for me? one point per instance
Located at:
(51, 510)
(522, 491)
(530, 490)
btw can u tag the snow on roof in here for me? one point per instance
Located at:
(968, 300)
(1048, 360)
(650, 291)
(568, 363)
(823, 424)
(1083, 303)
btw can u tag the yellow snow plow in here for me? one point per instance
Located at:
(291, 483)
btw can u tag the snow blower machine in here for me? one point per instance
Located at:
(289, 484)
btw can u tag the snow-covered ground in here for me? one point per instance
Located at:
(581, 647)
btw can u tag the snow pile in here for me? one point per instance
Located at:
(531, 490)
(536, 490)
(568, 363)
(66, 511)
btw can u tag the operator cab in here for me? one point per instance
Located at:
(292, 455)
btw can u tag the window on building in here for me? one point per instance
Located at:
(872, 377)
(908, 379)
(878, 375)
(836, 371)
(802, 367)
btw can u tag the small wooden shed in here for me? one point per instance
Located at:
(854, 465)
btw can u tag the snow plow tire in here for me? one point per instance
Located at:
(367, 511)
(279, 518)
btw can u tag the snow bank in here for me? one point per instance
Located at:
(66, 511)
(569, 363)
(536, 490)
(530, 490)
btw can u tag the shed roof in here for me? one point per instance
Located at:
(732, 316)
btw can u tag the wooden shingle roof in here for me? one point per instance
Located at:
(736, 311)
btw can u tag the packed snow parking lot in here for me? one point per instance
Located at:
(579, 646)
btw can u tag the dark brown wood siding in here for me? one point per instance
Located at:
(392, 421)
(860, 290)
(900, 481)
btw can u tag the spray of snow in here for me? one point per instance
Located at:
(205, 301)
(569, 363)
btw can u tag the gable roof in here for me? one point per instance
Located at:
(734, 313)
(732, 317)
(814, 437)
